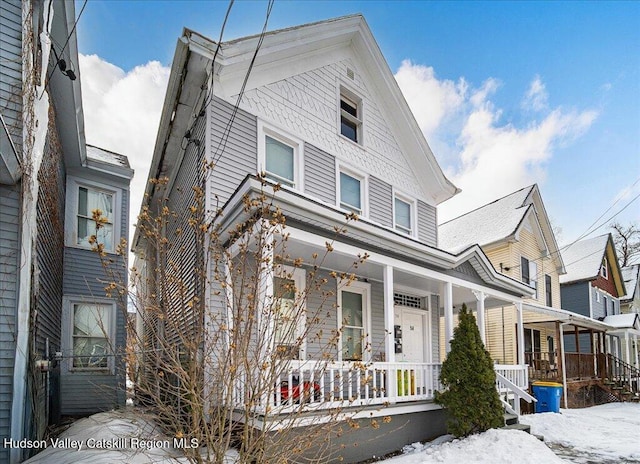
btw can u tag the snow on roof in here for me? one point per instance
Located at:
(487, 224)
(630, 277)
(582, 259)
(106, 156)
(623, 321)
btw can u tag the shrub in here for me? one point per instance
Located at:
(470, 394)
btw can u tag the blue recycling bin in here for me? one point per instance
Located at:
(548, 395)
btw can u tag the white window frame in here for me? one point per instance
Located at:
(71, 213)
(264, 130)
(364, 188)
(298, 275)
(350, 96)
(604, 268)
(364, 289)
(414, 214)
(69, 303)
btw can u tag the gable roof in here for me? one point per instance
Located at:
(630, 277)
(583, 260)
(623, 321)
(499, 221)
(283, 52)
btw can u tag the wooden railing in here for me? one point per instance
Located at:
(323, 385)
(543, 365)
(618, 371)
(512, 381)
(581, 365)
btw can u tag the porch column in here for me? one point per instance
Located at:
(480, 297)
(564, 371)
(448, 315)
(635, 351)
(389, 340)
(627, 348)
(520, 328)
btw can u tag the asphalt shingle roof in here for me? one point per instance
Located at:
(582, 259)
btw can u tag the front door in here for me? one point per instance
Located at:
(413, 336)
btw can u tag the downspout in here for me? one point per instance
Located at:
(35, 121)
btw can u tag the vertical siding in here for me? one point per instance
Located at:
(234, 159)
(377, 320)
(380, 202)
(319, 174)
(575, 297)
(9, 259)
(427, 226)
(11, 68)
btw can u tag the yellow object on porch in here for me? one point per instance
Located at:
(406, 382)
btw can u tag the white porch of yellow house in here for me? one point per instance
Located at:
(390, 373)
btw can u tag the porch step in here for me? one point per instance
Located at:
(510, 419)
(522, 427)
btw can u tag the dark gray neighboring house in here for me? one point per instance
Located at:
(592, 287)
(59, 338)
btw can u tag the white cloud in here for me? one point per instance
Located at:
(122, 114)
(431, 100)
(491, 157)
(536, 98)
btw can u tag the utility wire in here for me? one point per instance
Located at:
(65, 45)
(222, 144)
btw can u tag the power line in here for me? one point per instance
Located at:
(65, 45)
(227, 131)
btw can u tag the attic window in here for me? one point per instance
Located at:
(350, 116)
(604, 268)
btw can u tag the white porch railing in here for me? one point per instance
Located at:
(317, 385)
(512, 381)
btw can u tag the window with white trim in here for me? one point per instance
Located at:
(92, 201)
(604, 269)
(350, 115)
(289, 312)
(352, 191)
(353, 302)
(280, 157)
(91, 335)
(404, 215)
(529, 273)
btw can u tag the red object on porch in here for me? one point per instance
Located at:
(305, 392)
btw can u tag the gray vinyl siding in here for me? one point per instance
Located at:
(575, 298)
(9, 258)
(380, 202)
(322, 318)
(50, 246)
(11, 68)
(83, 393)
(319, 174)
(427, 224)
(377, 320)
(184, 251)
(235, 155)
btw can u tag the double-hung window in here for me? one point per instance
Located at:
(279, 157)
(354, 310)
(94, 201)
(289, 312)
(351, 192)
(547, 290)
(91, 335)
(604, 268)
(529, 272)
(350, 116)
(404, 215)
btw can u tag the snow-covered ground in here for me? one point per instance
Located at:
(602, 434)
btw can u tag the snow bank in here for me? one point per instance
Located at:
(611, 431)
(491, 447)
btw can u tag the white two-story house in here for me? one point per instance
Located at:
(322, 116)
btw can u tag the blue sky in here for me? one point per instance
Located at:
(551, 87)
